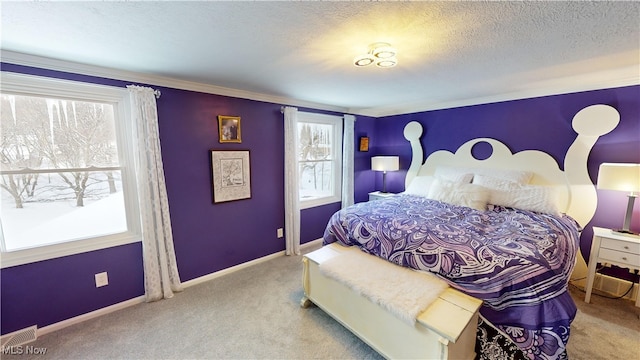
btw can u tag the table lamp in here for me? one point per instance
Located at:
(384, 164)
(621, 177)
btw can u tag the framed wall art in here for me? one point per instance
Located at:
(229, 129)
(364, 143)
(231, 175)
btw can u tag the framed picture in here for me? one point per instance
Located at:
(231, 175)
(229, 129)
(364, 143)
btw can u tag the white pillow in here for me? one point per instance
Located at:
(461, 194)
(461, 175)
(520, 177)
(543, 199)
(494, 183)
(420, 186)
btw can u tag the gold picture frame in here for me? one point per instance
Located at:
(229, 129)
(364, 143)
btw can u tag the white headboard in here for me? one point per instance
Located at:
(577, 193)
(578, 197)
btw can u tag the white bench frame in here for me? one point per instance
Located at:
(445, 330)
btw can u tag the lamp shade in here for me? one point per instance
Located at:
(385, 163)
(622, 177)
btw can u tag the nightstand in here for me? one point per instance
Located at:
(613, 248)
(377, 195)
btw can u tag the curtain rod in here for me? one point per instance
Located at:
(282, 111)
(156, 92)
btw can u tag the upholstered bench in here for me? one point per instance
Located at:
(446, 329)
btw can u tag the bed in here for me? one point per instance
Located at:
(503, 230)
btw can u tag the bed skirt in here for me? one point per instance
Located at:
(492, 344)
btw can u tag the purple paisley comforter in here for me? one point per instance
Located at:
(518, 262)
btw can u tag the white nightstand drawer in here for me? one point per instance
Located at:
(613, 248)
(620, 257)
(625, 246)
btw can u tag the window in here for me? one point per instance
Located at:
(319, 159)
(66, 185)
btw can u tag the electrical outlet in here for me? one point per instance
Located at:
(280, 233)
(102, 279)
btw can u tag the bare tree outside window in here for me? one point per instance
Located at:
(56, 151)
(18, 150)
(315, 159)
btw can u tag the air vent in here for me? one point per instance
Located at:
(20, 337)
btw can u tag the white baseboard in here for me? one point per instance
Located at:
(90, 315)
(311, 245)
(135, 301)
(217, 274)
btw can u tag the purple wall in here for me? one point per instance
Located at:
(210, 237)
(364, 177)
(51, 291)
(542, 123)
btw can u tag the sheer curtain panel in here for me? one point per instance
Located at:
(161, 276)
(291, 188)
(347, 160)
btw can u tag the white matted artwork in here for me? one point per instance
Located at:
(231, 175)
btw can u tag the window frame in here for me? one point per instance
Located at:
(30, 85)
(336, 122)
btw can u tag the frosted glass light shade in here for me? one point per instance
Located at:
(387, 63)
(364, 60)
(621, 177)
(384, 51)
(385, 163)
(381, 53)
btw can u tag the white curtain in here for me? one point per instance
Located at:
(161, 277)
(347, 160)
(291, 199)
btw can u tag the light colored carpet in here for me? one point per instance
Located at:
(604, 329)
(254, 313)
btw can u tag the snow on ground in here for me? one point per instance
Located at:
(52, 222)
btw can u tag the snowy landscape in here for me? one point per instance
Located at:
(61, 178)
(45, 223)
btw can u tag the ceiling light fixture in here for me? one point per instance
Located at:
(382, 54)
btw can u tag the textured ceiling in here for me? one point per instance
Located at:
(450, 53)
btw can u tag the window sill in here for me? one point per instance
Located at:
(26, 256)
(319, 202)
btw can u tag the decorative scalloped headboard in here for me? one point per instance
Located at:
(577, 194)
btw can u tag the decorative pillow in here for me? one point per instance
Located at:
(420, 186)
(492, 182)
(462, 174)
(520, 177)
(542, 199)
(461, 194)
(455, 174)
